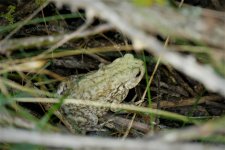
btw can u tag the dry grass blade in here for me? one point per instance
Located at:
(110, 105)
(24, 88)
(27, 66)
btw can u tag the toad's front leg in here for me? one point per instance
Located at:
(80, 118)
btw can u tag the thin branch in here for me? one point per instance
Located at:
(31, 42)
(195, 132)
(187, 102)
(55, 140)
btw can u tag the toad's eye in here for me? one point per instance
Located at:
(138, 74)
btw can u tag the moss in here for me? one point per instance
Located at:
(149, 2)
(9, 15)
(40, 2)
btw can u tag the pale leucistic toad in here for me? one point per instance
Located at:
(111, 83)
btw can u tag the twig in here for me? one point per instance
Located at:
(55, 140)
(195, 132)
(186, 102)
(120, 122)
(31, 42)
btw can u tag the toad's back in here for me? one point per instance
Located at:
(110, 83)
